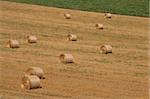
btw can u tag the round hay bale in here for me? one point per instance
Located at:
(13, 44)
(105, 49)
(67, 16)
(99, 26)
(72, 37)
(35, 71)
(66, 58)
(108, 15)
(32, 39)
(30, 82)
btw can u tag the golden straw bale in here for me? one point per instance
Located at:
(35, 71)
(72, 37)
(13, 44)
(67, 16)
(108, 15)
(66, 58)
(99, 26)
(30, 82)
(105, 49)
(32, 39)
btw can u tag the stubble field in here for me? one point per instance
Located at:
(120, 75)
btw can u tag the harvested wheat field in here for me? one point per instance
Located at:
(122, 74)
